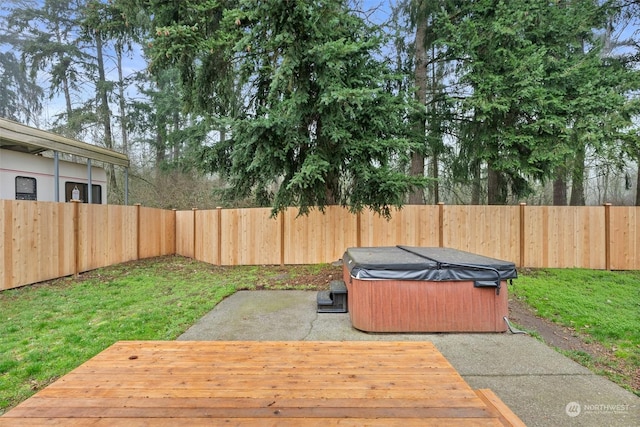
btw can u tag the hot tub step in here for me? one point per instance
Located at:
(338, 287)
(324, 298)
(333, 300)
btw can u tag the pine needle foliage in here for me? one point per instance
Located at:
(318, 125)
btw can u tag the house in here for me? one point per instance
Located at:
(25, 174)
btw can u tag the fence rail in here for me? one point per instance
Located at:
(43, 240)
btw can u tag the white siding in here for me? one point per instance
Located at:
(13, 164)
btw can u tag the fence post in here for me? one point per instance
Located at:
(521, 238)
(359, 229)
(138, 233)
(219, 235)
(607, 236)
(7, 233)
(175, 231)
(282, 230)
(76, 238)
(194, 232)
(441, 224)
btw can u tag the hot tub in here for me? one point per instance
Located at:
(421, 289)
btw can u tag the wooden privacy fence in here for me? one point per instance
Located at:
(252, 236)
(596, 237)
(46, 240)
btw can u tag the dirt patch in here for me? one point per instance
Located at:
(553, 334)
(298, 277)
(598, 357)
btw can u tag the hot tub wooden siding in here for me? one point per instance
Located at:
(424, 306)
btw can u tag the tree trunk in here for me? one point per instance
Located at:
(435, 130)
(122, 103)
(560, 187)
(476, 185)
(177, 145)
(492, 186)
(159, 146)
(420, 74)
(331, 189)
(416, 197)
(66, 90)
(105, 114)
(496, 190)
(435, 188)
(577, 178)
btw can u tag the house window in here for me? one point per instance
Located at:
(26, 188)
(96, 195)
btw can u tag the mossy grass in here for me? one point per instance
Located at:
(601, 306)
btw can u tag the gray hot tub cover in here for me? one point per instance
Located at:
(424, 263)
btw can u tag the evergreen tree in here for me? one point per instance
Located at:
(50, 45)
(20, 95)
(530, 96)
(321, 125)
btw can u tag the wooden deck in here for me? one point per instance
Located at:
(297, 383)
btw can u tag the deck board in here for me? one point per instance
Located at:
(263, 383)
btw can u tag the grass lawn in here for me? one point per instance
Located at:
(48, 329)
(600, 306)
